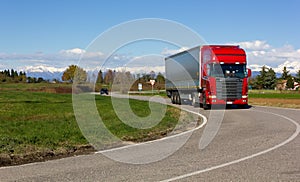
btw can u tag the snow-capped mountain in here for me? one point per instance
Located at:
(292, 66)
(45, 72)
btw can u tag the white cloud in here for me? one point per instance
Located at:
(256, 45)
(147, 60)
(80, 52)
(275, 57)
(168, 52)
(293, 67)
(260, 53)
(142, 69)
(256, 67)
(53, 61)
(76, 51)
(137, 64)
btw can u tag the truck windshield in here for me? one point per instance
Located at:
(227, 70)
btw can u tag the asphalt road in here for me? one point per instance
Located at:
(255, 144)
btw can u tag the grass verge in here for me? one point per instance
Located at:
(36, 126)
(287, 99)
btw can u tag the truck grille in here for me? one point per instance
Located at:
(229, 88)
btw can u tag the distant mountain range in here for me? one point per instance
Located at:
(255, 73)
(45, 72)
(50, 73)
(45, 75)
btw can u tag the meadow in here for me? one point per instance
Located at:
(38, 125)
(275, 98)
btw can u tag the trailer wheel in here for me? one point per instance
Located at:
(178, 99)
(194, 103)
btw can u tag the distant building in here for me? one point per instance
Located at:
(296, 86)
(281, 85)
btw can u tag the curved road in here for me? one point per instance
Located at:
(255, 144)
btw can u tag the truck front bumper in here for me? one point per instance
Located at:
(215, 101)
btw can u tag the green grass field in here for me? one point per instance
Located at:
(27, 86)
(274, 94)
(275, 98)
(35, 122)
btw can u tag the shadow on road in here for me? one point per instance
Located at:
(221, 107)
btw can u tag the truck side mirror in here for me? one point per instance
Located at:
(249, 73)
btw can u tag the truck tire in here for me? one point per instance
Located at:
(205, 106)
(194, 103)
(173, 98)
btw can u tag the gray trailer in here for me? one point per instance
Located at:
(183, 76)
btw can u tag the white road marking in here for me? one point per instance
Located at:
(292, 137)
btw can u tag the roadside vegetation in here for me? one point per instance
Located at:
(269, 90)
(275, 98)
(267, 80)
(36, 126)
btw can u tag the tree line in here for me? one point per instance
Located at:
(110, 76)
(12, 76)
(267, 79)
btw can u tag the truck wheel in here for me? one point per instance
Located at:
(205, 106)
(173, 97)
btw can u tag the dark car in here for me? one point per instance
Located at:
(104, 91)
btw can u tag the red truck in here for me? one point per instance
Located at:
(208, 75)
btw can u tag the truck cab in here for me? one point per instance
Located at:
(224, 76)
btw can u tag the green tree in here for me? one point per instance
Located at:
(16, 74)
(265, 80)
(146, 77)
(12, 73)
(40, 80)
(290, 82)
(152, 74)
(160, 79)
(74, 72)
(270, 79)
(298, 76)
(259, 81)
(285, 74)
(7, 73)
(100, 77)
(109, 77)
(21, 77)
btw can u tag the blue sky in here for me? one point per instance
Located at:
(41, 30)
